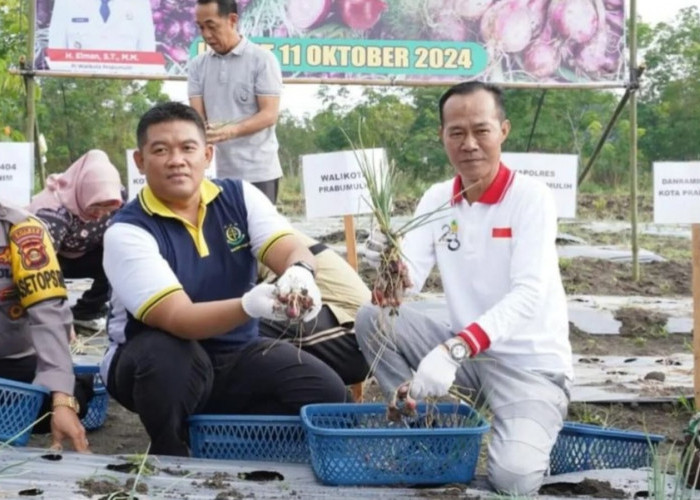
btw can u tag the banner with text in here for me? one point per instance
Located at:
(557, 171)
(334, 183)
(677, 192)
(16, 172)
(136, 180)
(412, 40)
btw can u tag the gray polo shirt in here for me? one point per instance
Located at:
(228, 85)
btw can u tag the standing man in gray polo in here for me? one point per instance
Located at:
(236, 87)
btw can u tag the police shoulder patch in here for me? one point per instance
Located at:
(29, 239)
(35, 269)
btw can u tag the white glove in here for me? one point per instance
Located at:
(435, 375)
(296, 279)
(374, 248)
(261, 302)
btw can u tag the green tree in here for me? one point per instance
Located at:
(423, 155)
(13, 24)
(76, 115)
(296, 138)
(670, 97)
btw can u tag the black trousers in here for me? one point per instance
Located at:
(92, 303)
(270, 188)
(325, 338)
(23, 370)
(165, 379)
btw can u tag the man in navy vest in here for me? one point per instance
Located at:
(182, 261)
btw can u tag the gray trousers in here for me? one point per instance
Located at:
(528, 407)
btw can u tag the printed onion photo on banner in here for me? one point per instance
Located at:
(502, 41)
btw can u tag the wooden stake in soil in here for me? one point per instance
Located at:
(350, 241)
(696, 310)
(357, 390)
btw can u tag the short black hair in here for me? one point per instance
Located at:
(466, 88)
(167, 112)
(226, 7)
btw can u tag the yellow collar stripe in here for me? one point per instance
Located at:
(153, 205)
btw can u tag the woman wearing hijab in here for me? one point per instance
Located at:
(76, 207)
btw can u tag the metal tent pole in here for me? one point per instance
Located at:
(634, 85)
(27, 65)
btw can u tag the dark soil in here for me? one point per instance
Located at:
(588, 487)
(110, 488)
(602, 277)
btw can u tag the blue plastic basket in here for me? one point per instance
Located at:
(19, 407)
(97, 406)
(355, 444)
(585, 447)
(267, 438)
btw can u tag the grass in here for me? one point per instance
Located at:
(685, 406)
(587, 414)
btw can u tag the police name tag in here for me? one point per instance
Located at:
(80, 20)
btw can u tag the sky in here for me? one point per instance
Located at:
(299, 99)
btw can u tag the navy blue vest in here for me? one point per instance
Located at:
(227, 272)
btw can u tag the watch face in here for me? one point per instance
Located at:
(458, 351)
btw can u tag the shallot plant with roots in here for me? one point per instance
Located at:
(381, 176)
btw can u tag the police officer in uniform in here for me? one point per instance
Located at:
(35, 323)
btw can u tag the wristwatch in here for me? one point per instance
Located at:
(69, 401)
(457, 348)
(306, 266)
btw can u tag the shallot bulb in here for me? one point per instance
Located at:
(360, 14)
(307, 14)
(473, 9)
(542, 57)
(574, 19)
(507, 26)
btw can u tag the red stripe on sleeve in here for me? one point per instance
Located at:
(476, 338)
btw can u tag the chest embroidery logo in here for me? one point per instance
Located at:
(235, 239)
(450, 236)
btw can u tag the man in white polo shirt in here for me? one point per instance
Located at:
(236, 87)
(125, 25)
(506, 344)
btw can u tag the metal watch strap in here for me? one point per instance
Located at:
(306, 266)
(69, 401)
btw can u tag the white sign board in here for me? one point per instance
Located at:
(136, 181)
(334, 184)
(677, 192)
(16, 171)
(558, 171)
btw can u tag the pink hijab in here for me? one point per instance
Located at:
(91, 179)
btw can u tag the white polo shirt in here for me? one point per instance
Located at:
(499, 267)
(79, 25)
(229, 85)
